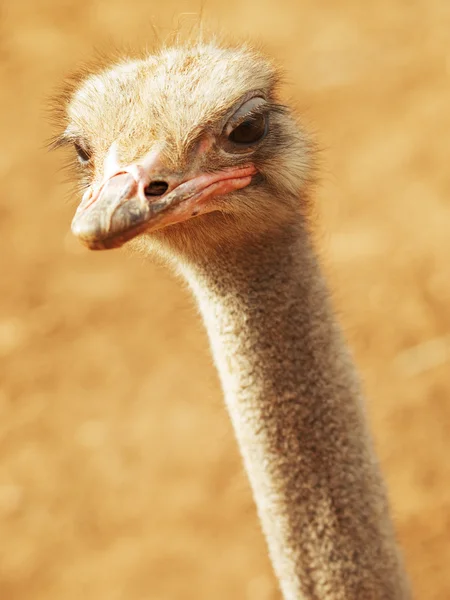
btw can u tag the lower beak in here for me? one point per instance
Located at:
(120, 209)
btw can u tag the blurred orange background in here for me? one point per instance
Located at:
(119, 474)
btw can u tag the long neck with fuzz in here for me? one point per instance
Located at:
(296, 407)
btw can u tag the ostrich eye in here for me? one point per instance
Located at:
(249, 124)
(250, 131)
(83, 152)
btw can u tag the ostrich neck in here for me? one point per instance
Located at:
(295, 404)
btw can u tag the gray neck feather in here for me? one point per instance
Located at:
(295, 403)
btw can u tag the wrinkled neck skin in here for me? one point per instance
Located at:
(296, 407)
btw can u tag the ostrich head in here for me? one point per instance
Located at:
(189, 148)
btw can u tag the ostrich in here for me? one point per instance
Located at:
(190, 154)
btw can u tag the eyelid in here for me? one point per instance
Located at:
(257, 104)
(85, 149)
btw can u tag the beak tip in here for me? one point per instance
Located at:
(81, 228)
(86, 231)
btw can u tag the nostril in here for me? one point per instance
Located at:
(156, 188)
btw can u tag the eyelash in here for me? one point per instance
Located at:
(83, 151)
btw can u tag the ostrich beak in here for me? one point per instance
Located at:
(123, 206)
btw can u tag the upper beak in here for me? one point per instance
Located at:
(120, 209)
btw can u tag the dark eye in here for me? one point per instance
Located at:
(83, 151)
(250, 131)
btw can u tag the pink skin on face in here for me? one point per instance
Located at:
(118, 209)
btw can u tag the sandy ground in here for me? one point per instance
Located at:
(119, 475)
